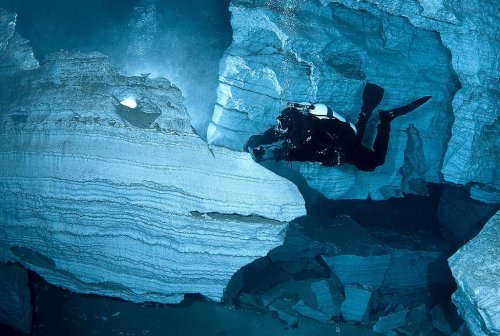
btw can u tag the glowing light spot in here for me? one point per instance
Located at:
(129, 102)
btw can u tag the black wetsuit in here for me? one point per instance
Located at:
(329, 141)
(307, 137)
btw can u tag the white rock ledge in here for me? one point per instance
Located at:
(146, 212)
(111, 205)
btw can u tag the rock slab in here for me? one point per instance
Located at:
(476, 269)
(102, 198)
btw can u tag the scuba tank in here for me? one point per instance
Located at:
(320, 111)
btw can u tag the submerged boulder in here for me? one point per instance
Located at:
(417, 272)
(403, 268)
(375, 276)
(115, 199)
(476, 269)
(358, 303)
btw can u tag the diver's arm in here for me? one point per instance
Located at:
(268, 137)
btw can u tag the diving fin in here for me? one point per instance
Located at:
(372, 96)
(390, 115)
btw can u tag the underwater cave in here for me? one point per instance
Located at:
(133, 204)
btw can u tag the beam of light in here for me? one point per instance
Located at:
(129, 102)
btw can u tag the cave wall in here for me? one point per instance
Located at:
(100, 198)
(469, 31)
(325, 51)
(182, 41)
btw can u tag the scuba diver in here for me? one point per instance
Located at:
(315, 133)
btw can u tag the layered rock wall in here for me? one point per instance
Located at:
(103, 198)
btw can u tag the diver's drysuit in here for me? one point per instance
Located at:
(329, 139)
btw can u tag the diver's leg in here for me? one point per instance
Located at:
(372, 95)
(390, 115)
(363, 159)
(361, 125)
(381, 143)
(366, 159)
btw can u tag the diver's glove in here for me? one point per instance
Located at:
(258, 153)
(252, 142)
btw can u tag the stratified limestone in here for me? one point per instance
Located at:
(476, 269)
(350, 269)
(311, 51)
(485, 193)
(358, 303)
(15, 299)
(101, 198)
